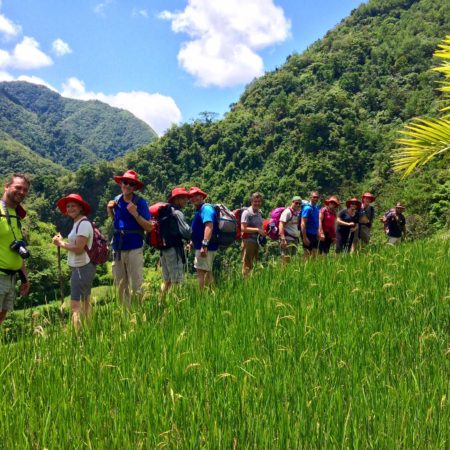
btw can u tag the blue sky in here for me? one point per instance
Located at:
(165, 61)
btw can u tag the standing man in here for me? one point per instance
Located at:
(251, 228)
(131, 217)
(13, 251)
(395, 224)
(366, 215)
(204, 227)
(310, 225)
(173, 258)
(290, 230)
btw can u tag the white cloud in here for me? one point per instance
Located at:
(9, 28)
(139, 13)
(27, 55)
(225, 37)
(100, 8)
(61, 48)
(158, 111)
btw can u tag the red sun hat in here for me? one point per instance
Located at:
(130, 175)
(194, 190)
(370, 196)
(332, 199)
(77, 198)
(177, 192)
(353, 200)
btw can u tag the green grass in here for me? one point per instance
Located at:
(338, 353)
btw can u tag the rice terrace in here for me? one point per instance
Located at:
(315, 356)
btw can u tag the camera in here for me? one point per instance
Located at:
(21, 248)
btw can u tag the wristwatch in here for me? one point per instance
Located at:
(205, 243)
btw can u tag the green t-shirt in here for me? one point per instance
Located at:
(9, 259)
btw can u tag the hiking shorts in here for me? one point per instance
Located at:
(362, 235)
(81, 281)
(204, 262)
(394, 240)
(313, 242)
(7, 292)
(172, 265)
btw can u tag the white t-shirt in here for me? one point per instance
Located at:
(84, 229)
(291, 224)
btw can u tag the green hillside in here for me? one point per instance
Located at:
(326, 119)
(15, 157)
(347, 352)
(65, 131)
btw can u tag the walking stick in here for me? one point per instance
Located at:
(61, 280)
(347, 243)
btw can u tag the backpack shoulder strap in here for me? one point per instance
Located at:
(79, 223)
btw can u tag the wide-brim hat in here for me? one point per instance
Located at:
(130, 175)
(77, 198)
(197, 191)
(177, 192)
(369, 196)
(332, 199)
(351, 201)
(400, 206)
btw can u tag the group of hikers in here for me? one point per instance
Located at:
(164, 226)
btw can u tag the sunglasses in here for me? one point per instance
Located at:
(128, 183)
(315, 196)
(297, 203)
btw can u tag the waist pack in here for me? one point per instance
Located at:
(99, 252)
(165, 232)
(226, 226)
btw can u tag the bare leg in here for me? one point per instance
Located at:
(75, 305)
(2, 315)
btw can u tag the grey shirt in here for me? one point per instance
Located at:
(183, 226)
(253, 220)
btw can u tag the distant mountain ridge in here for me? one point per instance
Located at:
(65, 131)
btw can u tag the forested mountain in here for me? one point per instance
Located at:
(66, 131)
(327, 119)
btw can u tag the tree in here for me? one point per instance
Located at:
(427, 139)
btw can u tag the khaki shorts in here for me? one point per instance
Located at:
(204, 262)
(7, 292)
(172, 265)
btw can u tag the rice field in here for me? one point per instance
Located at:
(350, 352)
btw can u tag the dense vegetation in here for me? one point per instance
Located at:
(336, 353)
(327, 119)
(65, 131)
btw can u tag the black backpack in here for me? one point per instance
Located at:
(166, 232)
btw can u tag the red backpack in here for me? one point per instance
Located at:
(165, 232)
(99, 252)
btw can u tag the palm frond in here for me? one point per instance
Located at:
(423, 140)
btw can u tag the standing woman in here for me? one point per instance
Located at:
(327, 224)
(347, 225)
(80, 237)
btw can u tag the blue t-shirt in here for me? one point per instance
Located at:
(206, 213)
(311, 214)
(123, 220)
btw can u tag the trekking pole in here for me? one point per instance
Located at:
(347, 243)
(61, 281)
